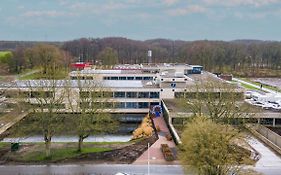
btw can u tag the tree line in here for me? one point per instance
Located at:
(242, 57)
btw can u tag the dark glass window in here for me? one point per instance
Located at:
(119, 94)
(131, 95)
(143, 94)
(131, 105)
(113, 78)
(120, 105)
(147, 78)
(154, 94)
(143, 104)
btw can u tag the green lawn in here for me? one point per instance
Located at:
(60, 154)
(38, 75)
(264, 85)
(5, 56)
(3, 53)
(246, 86)
(57, 154)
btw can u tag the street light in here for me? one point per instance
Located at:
(148, 157)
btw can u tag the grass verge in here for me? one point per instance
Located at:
(56, 154)
(264, 85)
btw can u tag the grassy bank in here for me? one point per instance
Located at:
(246, 86)
(56, 154)
(36, 74)
(263, 85)
(35, 152)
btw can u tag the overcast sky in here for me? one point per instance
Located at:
(60, 20)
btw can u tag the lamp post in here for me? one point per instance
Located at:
(148, 157)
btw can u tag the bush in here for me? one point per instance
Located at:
(168, 137)
(158, 129)
(167, 152)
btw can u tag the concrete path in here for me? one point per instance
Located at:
(10, 119)
(256, 86)
(155, 154)
(269, 162)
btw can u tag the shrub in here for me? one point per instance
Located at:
(169, 137)
(158, 128)
(167, 152)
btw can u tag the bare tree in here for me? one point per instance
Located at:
(221, 101)
(46, 99)
(89, 100)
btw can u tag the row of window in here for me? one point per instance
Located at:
(50, 106)
(236, 95)
(82, 78)
(128, 78)
(87, 94)
(118, 105)
(30, 94)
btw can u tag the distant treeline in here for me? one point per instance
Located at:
(244, 57)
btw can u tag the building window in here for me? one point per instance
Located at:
(138, 78)
(131, 105)
(154, 94)
(143, 95)
(113, 78)
(108, 105)
(154, 103)
(143, 104)
(147, 78)
(119, 105)
(130, 78)
(131, 95)
(122, 78)
(119, 94)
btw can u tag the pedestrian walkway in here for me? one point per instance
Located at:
(154, 152)
(10, 119)
(256, 86)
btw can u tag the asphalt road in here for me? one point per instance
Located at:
(102, 169)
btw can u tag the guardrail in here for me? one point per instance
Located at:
(168, 120)
(269, 137)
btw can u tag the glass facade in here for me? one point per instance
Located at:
(143, 95)
(128, 78)
(154, 94)
(131, 95)
(119, 95)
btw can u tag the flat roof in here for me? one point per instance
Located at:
(74, 83)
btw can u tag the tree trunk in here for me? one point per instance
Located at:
(80, 142)
(48, 148)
